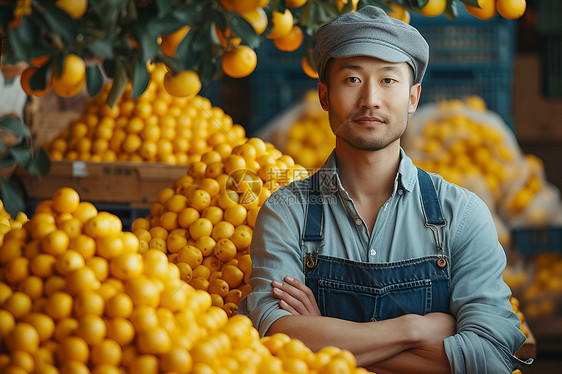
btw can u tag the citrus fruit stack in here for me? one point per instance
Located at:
(543, 295)
(155, 127)
(472, 147)
(515, 306)
(77, 296)
(309, 139)
(7, 223)
(204, 222)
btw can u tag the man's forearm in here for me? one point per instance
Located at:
(370, 342)
(429, 359)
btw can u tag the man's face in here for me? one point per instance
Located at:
(368, 100)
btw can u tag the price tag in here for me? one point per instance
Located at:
(79, 169)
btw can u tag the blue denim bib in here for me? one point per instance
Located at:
(362, 292)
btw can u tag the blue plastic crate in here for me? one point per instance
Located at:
(529, 241)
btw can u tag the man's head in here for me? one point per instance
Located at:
(371, 32)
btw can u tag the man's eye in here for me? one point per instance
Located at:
(388, 80)
(353, 80)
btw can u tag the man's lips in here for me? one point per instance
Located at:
(367, 120)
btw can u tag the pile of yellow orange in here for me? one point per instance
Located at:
(309, 140)
(155, 127)
(78, 295)
(7, 223)
(543, 296)
(205, 221)
(471, 147)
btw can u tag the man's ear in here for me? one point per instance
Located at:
(323, 95)
(415, 92)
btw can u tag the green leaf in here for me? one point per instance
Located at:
(451, 10)
(141, 78)
(101, 47)
(22, 154)
(243, 29)
(12, 197)
(40, 78)
(471, 2)
(94, 80)
(6, 15)
(189, 14)
(164, 6)
(118, 86)
(2, 146)
(41, 164)
(60, 22)
(7, 161)
(21, 39)
(15, 126)
(147, 40)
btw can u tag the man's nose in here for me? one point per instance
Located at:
(370, 95)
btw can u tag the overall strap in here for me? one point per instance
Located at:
(313, 225)
(432, 212)
(314, 217)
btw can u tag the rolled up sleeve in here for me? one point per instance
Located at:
(276, 253)
(488, 331)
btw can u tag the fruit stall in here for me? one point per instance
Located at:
(153, 131)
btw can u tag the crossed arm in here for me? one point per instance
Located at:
(399, 345)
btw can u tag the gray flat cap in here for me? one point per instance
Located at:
(371, 32)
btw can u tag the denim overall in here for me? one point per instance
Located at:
(362, 292)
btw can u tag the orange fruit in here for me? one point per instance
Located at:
(99, 266)
(89, 302)
(257, 18)
(32, 286)
(282, 24)
(109, 246)
(185, 83)
(171, 41)
(23, 337)
(22, 361)
(75, 8)
(126, 265)
(308, 69)
(91, 328)
(121, 330)
(235, 214)
(177, 360)
(72, 78)
(290, 42)
(54, 283)
(191, 255)
(55, 243)
(18, 303)
(200, 227)
(16, 270)
(511, 9)
(81, 280)
(44, 325)
(7, 323)
(25, 78)
(107, 352)
(153, 341)
(232, 275)
(68, 261)
(434, 8)
(73, 348)
(239, 62)
(143, 291)
(103, 224)
(225, 250)
(486, 9)
(84, 245)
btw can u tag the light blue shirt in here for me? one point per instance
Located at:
(487, 328)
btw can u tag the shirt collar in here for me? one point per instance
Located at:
(405, 178)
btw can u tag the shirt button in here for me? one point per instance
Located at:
(373, 252)
(400, 192)
(358, 221)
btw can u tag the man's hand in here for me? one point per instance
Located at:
(295, 297)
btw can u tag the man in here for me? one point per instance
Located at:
(371, 254)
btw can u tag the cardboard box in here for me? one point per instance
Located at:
(47, 125)
(135, 183)
(537, 119)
